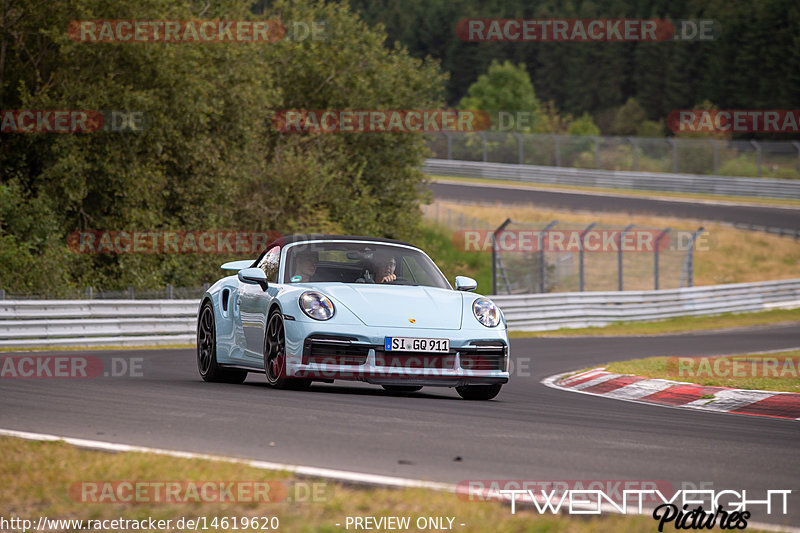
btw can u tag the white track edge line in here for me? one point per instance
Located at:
(341, 475)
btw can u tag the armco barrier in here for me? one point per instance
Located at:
(618, 179)
(539, 312)
(45, 323)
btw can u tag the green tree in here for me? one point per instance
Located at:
(210, 158)
(507, 88)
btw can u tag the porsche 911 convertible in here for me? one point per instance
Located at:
(324, 308)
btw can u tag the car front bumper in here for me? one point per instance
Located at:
(475, 357)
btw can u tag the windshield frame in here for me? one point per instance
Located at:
(285, 252)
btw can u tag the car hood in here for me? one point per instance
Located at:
(396, 305)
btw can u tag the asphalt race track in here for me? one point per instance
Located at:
(529, 432)
(767, 216)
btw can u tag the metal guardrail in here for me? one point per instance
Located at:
(50, 323)
(43, 323)
(540, 312)
(618, 179)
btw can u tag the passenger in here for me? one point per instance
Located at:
(384, 271)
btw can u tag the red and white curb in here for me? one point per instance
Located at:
(678, 394)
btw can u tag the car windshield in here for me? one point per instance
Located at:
(369, 263)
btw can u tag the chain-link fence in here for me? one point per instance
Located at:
(772, 159)
(566, 257)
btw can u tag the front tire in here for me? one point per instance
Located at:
(207, 351)
(479, 392)
(275, 356)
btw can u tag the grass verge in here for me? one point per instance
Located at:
(675, 325)
(728, 255)
(46, 479)
(779, 371)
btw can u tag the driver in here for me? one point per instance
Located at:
(306, 266)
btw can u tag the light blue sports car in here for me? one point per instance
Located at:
(322, 307)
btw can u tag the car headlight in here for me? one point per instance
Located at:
(316, 305)
(486, 312)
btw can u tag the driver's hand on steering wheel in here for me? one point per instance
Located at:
(388, 278)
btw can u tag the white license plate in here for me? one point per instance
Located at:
(414, 344)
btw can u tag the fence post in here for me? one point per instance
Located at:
(449, 146)
(635, 144)
(519, 147)
(542, 266)
(688, 264)
(500, 228)
(619, 256)
(716, 156)
(89, 292)
(485, 148)
(581, 249)
(2, 294)
(674, 155)
(130, 293)
(558, 149)
(758, 156)
(170, 293)
(596, 151)
(655, 256)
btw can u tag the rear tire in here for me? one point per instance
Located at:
(275, 356)
(479, 392)
(402, 388)
(207, 351)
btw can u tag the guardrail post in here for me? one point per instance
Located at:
(716, 156)
(558, 149)
(449, 146)
(485, 148)
(542, 266)
(674, 155)
(619, 255)
(635, 144)
(655, 256)
(581, 249)
(758, 156)
(494, 253)
(521, 158)
(688, 264)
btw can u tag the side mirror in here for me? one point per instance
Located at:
(253, 276)
(463, 283)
